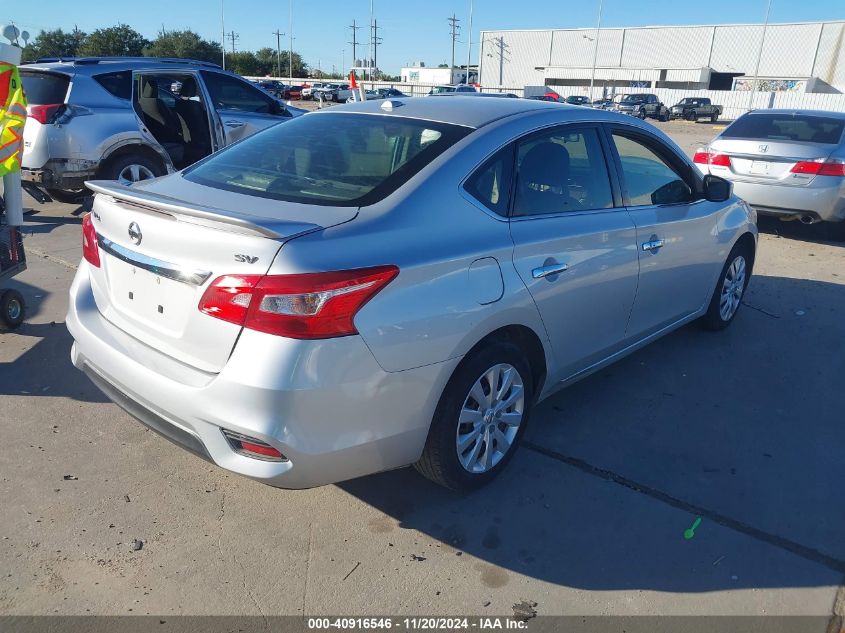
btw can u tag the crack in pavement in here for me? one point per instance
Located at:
(761, 310)
(308, 566)
(793, 547)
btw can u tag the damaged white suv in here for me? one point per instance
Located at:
(131, 119)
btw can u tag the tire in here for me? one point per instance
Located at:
(12, 309)
(440, 461)
(714, 117)
(716, 318)
(124, 166)
(664, 117)
(694, 116)
(71, 197)
(689, 116)
(641, 114)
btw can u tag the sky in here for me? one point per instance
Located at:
(411, 32)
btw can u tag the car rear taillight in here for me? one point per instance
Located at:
(820, 168)
(44, 114)
(90, 248)
(303, 306)
(703, 157)
(252, 447)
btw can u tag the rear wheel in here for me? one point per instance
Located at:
(664, 116)
(714, 117)
(480, 418)
(69, 196)
(730, 289)
(12, 308)
(131, 168)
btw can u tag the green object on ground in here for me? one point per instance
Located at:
(690, 532)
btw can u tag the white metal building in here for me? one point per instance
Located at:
(800, 57)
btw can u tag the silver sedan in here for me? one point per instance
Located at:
(785, 163)
(397, 282)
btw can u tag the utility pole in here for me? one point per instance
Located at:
(453, 28)
(376, 41)
(596, 51)
(469, 41)
(278, 52)
(759, 55)
(223, 34)
(233, 36)
(500, 46)
(290, 42)
(355, 28)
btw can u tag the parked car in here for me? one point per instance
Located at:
(549, 95)
(785, 163)
(455, 88)
(292, 92)
(642, 106)
(132, 119)
(296, 322)
(307, 90)
(603, 104)
(332, 92)
(578, 100)
(380, 93)
(695, 108)
(275, 88)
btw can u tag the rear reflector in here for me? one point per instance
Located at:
(819, 168)
(304, 306)
(90, 249)
(252, 447)
(44, 114)
(706, 158)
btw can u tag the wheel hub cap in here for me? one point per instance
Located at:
(490, 418)
(733, 287)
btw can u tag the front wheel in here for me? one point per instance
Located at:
(12, 309)
(641, 114)
(479, 419)
(714, 117)
(730, 289)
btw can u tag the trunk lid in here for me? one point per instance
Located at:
(43, 90)
(158, 255)
(767, 161)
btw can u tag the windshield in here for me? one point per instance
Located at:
(686, 101)
(439, 89)
(633, 97)
(328, 159)
(787, 127)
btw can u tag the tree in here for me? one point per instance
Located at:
(114, 41)
(244, 63)
(56, 43)
(184, 45)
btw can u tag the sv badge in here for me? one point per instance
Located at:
(246, 259)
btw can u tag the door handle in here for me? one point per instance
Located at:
(550, 269)
(653, 244)
(233, 123)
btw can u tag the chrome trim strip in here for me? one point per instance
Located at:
(155, 266)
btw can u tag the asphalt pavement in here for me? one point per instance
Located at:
(742, 429)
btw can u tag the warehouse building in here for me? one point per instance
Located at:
(804, 57)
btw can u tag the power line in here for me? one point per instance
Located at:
(454, 29)
(234, 37)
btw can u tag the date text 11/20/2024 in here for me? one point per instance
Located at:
(417, 623)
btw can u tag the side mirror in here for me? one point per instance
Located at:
(716, 189)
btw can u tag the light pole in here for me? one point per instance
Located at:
(290, 42)
(596, 51)
(343, 61)
(223, 34)
(759, 55)
(469, 41)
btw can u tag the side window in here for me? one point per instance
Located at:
(559, 171)
(648, 178)
(491, 183)
(229, 93)
(118, 84)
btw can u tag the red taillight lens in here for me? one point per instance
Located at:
(90, 248)
(706, 158)
(305, 306)
(819, 168)
(267, 451)
(43, 113)
(700, 157)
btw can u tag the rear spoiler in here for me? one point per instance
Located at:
(211, 217)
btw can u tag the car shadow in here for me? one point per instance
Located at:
(741, 428)
(833, 234)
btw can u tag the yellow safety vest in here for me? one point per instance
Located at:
(12, 118)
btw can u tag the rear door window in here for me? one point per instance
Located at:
(787, 127)
(119, 84)
(44, 88)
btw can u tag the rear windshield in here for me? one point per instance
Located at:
(328, 159)
(787, 127)
(44, 88)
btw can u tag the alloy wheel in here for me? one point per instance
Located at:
(733, 286)
(490, 417)
(134, 173)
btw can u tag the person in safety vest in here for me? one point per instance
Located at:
(12, 118)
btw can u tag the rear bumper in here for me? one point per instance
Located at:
(65, 174)
(825, 203)
(326, 405)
